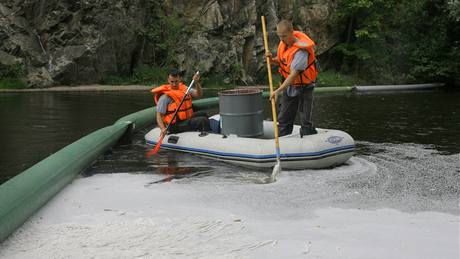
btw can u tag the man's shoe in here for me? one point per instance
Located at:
(308, 131)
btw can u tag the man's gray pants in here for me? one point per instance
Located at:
(288, 108)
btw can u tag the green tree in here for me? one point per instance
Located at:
(366, 26)
(400, 41)
(431, 36)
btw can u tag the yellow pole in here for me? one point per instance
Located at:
(277, 167)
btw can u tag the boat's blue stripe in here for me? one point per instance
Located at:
(306, 154)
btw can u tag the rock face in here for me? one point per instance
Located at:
(81, 41)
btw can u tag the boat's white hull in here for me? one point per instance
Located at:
(328, 148)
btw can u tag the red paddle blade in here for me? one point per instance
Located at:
(155, 149)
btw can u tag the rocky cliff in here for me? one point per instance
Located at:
(81, 41)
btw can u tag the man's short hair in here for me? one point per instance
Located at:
(174, 72)
(286, 24)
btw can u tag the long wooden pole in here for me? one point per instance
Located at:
(277, 167)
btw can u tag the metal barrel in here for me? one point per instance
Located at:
(241, 112)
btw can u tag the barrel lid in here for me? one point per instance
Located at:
(241, 91)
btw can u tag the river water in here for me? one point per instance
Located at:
(396, 198)
(35, 125)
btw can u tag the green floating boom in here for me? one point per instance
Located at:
(25, 193)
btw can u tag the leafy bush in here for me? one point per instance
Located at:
(149, 75)
(11, 83)
(10, 76)
(333, 78)
(144, 75)
(167, 33)
(12, 71)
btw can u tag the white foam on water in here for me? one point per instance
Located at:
(305, 214)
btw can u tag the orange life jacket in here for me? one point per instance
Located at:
(176, 95)
(286, 55)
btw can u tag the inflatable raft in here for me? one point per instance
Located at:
(327, 148)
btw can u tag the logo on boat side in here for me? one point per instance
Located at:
(334, 139)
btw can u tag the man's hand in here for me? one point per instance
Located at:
(273, 61)
(196, 78)
(268, 55)
(274, 95)
(198, 92)
(160, 123)
(163, 131)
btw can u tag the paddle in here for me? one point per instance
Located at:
(277, 167)
(154, 150)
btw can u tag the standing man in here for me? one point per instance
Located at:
(296, 61)
(168, 97)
